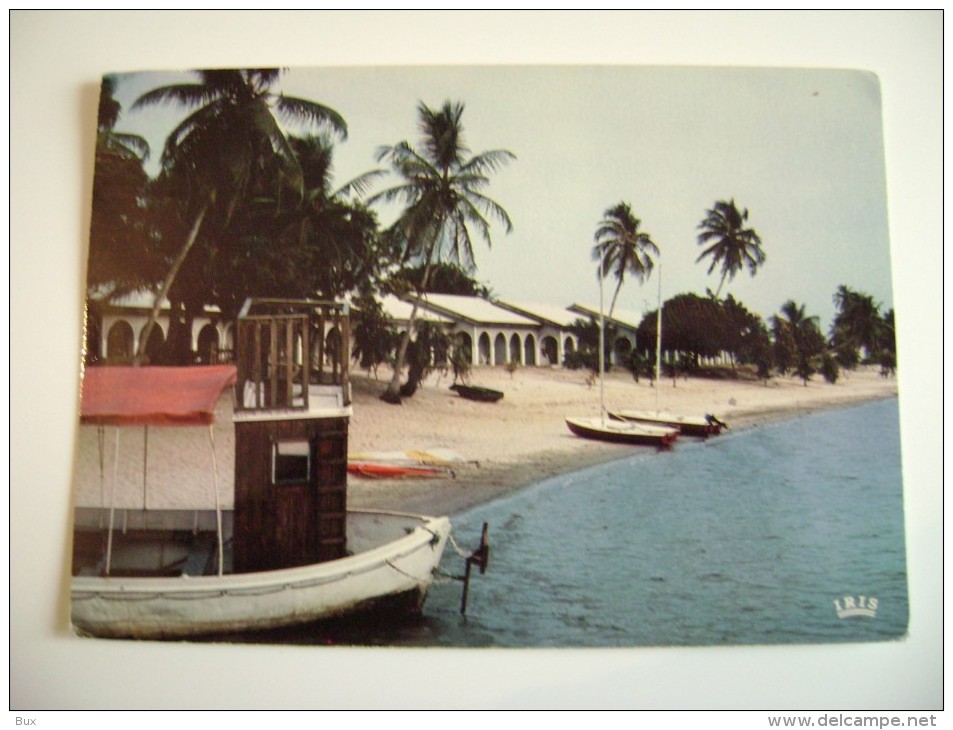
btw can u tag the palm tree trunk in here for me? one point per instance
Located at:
(721, 284)
(167, 284)
(614, 297)
(392, 394)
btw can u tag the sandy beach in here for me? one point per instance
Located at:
(523, 438)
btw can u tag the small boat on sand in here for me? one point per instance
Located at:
(703, 426)
(379, 470)
(622, 432)
(473, 392)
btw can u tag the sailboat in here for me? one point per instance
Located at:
(704, 426)
(615, 430)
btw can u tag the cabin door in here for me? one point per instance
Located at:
(290, 493)
(296, 508)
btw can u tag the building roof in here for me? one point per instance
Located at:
(476, 310)
(141, 299)
(399, 310)
(547, 313)
(623, 317)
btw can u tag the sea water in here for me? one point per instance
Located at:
(787, 533)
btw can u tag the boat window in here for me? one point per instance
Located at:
(291, 462)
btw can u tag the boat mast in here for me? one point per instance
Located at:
(658, 340)
(602, 341)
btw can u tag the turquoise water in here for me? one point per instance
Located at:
(752, 537)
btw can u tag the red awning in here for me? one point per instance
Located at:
(156, 396)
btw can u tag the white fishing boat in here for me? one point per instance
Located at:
(264, 544)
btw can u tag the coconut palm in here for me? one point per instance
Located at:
(442, 193)
(857, 323)
(117, 245)
(622, 247)
(108, 139)
(323, 242)
(730, 244)
(214, 157)
(796, 331)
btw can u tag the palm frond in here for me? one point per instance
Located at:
(297, 110)
(359, 185)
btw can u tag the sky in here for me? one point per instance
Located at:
(802, 150)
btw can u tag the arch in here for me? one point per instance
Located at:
(550, 350)
(516, 347)
(499, 350)
(463, 339)
(155, 345)
(208, 344)
(621, 349)
(228, 343)
(462, 342)
(120, 342)
(529, 351)
(569, 346)
(484, 349)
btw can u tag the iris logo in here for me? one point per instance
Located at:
(855, 606)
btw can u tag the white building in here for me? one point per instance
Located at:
(555, 338)
(114, 329)
(626, 326)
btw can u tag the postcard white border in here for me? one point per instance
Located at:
(56, 60)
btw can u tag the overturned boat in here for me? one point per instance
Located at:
(168, 545)
(477, 393)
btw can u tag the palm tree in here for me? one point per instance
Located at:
(794, 329)
(118, 244)
(857, 324)
(323, 242)
(622, 247)
(108, 139)
(441, 189)
(730, 244)
(217, 153)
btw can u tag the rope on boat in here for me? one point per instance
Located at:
(444, 577)
(405, 573)
(458, 550)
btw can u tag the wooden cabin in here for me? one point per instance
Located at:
(291, 421)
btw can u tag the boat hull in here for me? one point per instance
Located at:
(373, 470)
(483, 395)
(398, 572)
(688, 426)
(622, 432)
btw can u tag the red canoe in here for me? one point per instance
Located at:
(394, 471)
